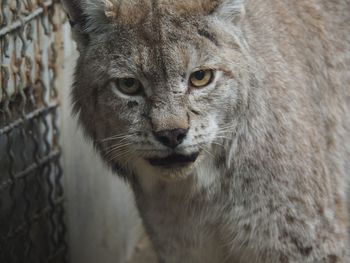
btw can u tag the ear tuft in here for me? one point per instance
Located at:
(231, 9)
(110, 10)
(89, 15)
(74, 9)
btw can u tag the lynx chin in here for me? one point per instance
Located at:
(230, 119)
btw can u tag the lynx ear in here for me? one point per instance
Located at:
(232, 10)
(87, 17)
(74, 9)
(78, 21)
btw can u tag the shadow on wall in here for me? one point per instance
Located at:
(102, 220)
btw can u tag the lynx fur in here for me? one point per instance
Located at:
(270, 132)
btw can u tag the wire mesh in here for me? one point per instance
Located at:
(32, 225)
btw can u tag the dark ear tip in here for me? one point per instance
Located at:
(71, 22)
(74, 11)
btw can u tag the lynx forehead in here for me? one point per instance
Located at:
(122, 9)
(229, 118)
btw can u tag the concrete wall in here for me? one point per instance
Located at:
(102, 220)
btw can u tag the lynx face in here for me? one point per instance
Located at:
(162, 92)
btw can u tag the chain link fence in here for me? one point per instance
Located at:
(32, 227)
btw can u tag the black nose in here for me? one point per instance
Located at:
(171, 138)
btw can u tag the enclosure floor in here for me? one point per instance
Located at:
(143, 253)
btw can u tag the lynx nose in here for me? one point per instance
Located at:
(171, 138)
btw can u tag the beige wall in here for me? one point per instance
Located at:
(102, 220)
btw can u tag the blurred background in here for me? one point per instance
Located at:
(58, 203)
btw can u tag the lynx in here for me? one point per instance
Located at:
(229, 119)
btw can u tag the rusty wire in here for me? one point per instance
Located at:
(32, 227)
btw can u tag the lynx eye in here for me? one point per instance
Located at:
(201, 78)
(129, 86)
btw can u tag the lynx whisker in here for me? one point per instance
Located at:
(223, 137)
(118, 136)
(219, 144)
(121, 154)
(205, 150)
(116, 147)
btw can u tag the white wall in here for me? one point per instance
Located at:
(102, 220)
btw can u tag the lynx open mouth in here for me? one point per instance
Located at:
(174, 160)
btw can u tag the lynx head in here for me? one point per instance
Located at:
(160, 84)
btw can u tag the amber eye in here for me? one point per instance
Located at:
(129, 86)
(201, 78)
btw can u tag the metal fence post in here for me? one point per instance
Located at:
(32, 227)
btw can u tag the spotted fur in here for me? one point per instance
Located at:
(273, 128)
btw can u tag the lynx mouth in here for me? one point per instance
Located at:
(174, 160)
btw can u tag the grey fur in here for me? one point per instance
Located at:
(273, 128)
